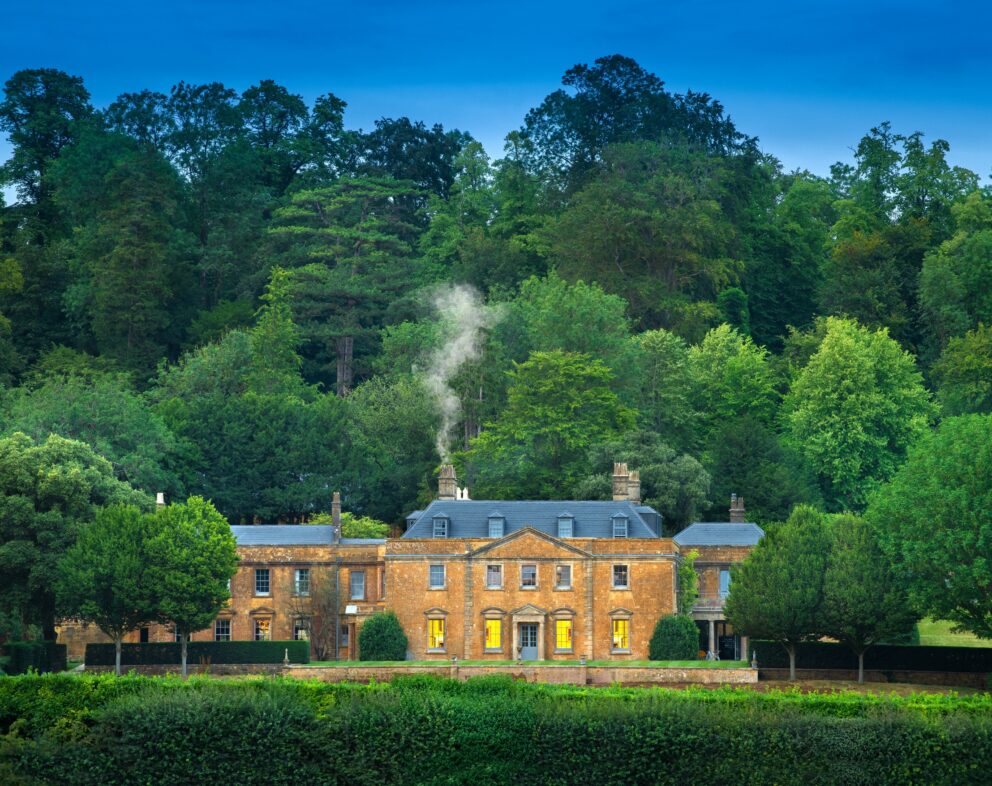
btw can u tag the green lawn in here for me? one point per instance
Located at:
(655, 664)
(937, 633)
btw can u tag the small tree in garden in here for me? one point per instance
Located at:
(777, 592)
(864, 601)
(382, 638)
(101, 577)
(675, 637)
(318, 610)
(192, 555)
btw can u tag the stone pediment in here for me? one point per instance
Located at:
(529, 543)
(529, 610)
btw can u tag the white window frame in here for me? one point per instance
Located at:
(430, 576)
(613, 576)
(497, 523)
(528, 586)
(499, 568)
(724, 592)
(352, 575)
(218, 636)
(621, 527)
(558, 584)
(297, 583)
(298, 625)
(440, 527)
(563, 522)
(268, 582)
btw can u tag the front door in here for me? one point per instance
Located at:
(528, 641)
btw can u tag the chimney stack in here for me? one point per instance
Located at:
(336, 517)
(634, 487)
(620, 478)
(736, 509)
(160, 500)
(447, 484)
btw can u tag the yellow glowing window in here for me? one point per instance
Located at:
(563, 634)
(435, 635)
(621, 630)
(494, 634)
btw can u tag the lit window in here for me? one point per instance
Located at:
(302, 581)
(435, 634)
(301, 629)
(528, 575)
(263, 629)
(563, 635)
(724, 582)
(496, 527)
(261, 581)
(620, 526)
(494, 576)
(566, 527)
(357, 579)
(563, 577)
(437, 577)
(222, 630)
(621, 634)
(440, 527)
(621, 577)
(494, 634)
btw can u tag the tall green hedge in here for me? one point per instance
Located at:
(200, 652)
(107, 730)
(817, 655)
(42, 656)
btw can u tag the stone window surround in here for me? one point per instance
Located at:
(537, 583)
(437, 614)
(613, 584)
(564, 587)
(296, 581)
(502, 581)
(621, 614)
(268, 582)
(494, 613)
(218, 636)
(352, 575)
(430, 576)
(563, 614)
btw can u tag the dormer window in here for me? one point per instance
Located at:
(441, 526)
(566, 526)
(620, 526)
(497, 525)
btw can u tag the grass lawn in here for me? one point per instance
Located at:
(937, 633)
(654, 664)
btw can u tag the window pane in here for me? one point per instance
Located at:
(494, 634)
(528, 575)
(565, 528)
(563, 576)
(357, 584)
(435, 639)
(495, 528)
(262, 629)
(620, 577)
(440, 528)
(436, 576)
(261, 581)
(494, 576)
(724, 583)
(563, 634)
(621, 640)
(302, 581)
(222, 630)
(345, 635)
(620, 528)
(301, 629)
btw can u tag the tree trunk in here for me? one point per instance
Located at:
(184, 637)
(861, 666)
(791, 649)
(345, 353)
(117, 655)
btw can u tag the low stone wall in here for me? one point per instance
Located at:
(560, 675)
(215, 669)
(958, 679)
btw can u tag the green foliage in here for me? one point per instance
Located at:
(382, 638)
(854, 410)
(39, 656)
(688, 591)
(200, 652)
(102, 730)
(675, 637)
(48, 491)
(885, 657)
(933, 525)
(353, 526)
(964, 373)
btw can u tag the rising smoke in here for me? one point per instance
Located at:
(463, 317)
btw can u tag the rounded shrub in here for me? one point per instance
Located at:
(382, 638)
(675, 637)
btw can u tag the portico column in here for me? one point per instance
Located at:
(712, 637)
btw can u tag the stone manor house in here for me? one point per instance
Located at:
(483, 579)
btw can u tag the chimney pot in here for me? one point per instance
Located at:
(336, 517)
(620, 479)
(736, 509)
(634, 487)
(447, 485)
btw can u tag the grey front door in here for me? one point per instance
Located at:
(528, 641)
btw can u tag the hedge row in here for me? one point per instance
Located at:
(42, 656)
(837, 656)
(428, 731)
(200, 652)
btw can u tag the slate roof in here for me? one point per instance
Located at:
(470, 518)
(293, 535)
(720, 534)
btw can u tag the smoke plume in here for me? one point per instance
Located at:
(463, 317)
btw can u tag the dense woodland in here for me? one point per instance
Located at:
(240, 297)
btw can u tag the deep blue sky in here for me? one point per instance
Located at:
(808, 78)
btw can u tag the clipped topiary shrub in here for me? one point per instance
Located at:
(382, 638)
(675, 637)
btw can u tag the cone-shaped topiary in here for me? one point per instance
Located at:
(382, 638)
(675, 637)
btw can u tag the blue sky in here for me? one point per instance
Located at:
(808, 78)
